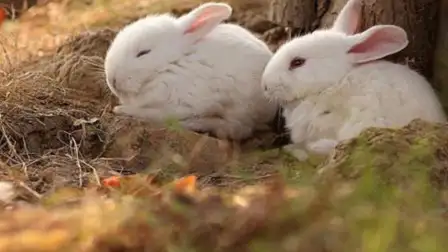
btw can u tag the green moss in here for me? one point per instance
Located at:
(396, 156)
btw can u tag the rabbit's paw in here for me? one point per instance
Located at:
(129, 111)
(296, 152)
(323, 146)
(121, 110)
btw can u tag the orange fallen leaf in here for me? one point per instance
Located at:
(113, 181)
(2, 15)
(186, 184)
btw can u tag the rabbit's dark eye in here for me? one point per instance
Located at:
(144, 52)
(296, 62)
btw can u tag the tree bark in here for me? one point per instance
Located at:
(15, 7)
(441, 54)
(418, 17)
(420, 20)
(302, 16)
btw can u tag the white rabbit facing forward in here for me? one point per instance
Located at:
(196, 69)
(333, 84)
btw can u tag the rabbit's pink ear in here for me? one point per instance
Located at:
(377, 42)
(204, 18)
(348, 19)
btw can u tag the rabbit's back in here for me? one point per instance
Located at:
(232, 50)
(392, 93)
(237, 35)
(224, 70)
(235, 60)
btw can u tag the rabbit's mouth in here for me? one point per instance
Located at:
(280, 96)
(301, 96)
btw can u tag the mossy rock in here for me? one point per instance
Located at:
(395, 156)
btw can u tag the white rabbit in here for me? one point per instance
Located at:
(204, 73)
(332, 84)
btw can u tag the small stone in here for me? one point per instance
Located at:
(7, 191)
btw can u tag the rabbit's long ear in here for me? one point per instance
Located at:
(377, 42)
(348, 19)
(204, 19)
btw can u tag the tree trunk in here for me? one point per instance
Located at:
(302, 16)
(418, 17)
(420, 20)
(441, 54)
(15, 7)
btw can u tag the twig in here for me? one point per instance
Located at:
(34, 193)
(95, 173)
(78, 162)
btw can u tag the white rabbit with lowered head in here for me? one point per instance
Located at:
(204, 73)
(333, 84)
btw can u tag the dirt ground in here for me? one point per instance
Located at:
(56, 111)
(59, 140)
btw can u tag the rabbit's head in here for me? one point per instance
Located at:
(309, 64)
(151, 46)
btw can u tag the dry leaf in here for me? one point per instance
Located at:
(2, 15)
(186, 184)
(7, 191)
(113, 181)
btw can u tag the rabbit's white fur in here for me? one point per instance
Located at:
(202, 72)
(341, 87)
